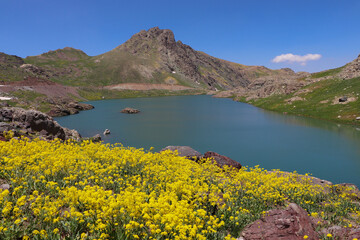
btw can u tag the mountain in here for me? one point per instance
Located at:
(152, 56)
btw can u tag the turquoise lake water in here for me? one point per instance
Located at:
(247, 134)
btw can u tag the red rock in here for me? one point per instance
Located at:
(292, 223)
(222, 160)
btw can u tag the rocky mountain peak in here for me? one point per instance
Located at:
(146, 41)
(162, 35)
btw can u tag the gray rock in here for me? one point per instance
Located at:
(96, 138)
(184, 151)
(72, 134)
(4, 186)
(5, 127)
(106, 132)
(35, 121)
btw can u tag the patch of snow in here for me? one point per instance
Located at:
(5, 98)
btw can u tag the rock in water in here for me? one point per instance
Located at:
(184, 151)
(292, 223)
(222, 160)
(106, 132)
(130, 110)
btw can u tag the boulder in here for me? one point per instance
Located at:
(4, 186)
(357, 118)
(184, 151)
(35, 121)
(292, 223)
(106, 132)
(5, 127)
(72, 134)
(221, 160)
(343, 99)
(96, 138)
(130, 110)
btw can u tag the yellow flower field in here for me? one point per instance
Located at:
(91, 190)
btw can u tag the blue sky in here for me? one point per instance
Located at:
(251, 32)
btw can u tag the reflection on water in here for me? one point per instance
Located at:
(245, 133)
(349, 133)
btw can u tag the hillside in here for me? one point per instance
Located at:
(332, 95)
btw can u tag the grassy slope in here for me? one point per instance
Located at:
(10, 74)
(91, 93)
(325, 90)
(30, 99)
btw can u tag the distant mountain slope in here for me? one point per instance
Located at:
(332, 95)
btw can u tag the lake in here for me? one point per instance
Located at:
(247, 134)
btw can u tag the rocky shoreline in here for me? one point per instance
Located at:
(18, 122)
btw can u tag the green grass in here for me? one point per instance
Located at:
(99, 94)
(330, 72)
(10, 73)
(325, 90)
(30, 99)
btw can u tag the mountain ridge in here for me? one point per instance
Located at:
(152, 56)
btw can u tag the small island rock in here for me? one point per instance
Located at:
(130, 110)
(106, 132)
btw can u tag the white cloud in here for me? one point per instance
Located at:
(291, 58)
